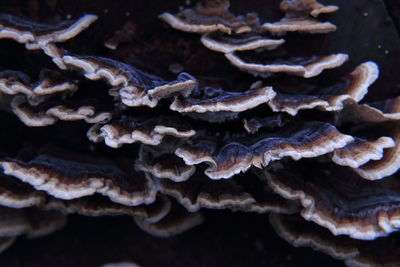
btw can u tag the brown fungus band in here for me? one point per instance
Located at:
(50, 82)
(342, 206)
(70, 176)
(306, 140)
(352, 252)
(168, 132)
(147, 131)
(209, 16)
(299, 17)
(36, 35)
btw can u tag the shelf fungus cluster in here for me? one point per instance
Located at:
(98, 136)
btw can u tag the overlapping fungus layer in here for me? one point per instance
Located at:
(138, 147)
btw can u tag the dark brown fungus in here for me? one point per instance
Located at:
(312, 145)
(15, 194)
(301, 233)
(209, 16)
(210, 99)
(43, 36)
(128, 130)
(297, 18)
(350, 89)
(36, 35)
(387, 110)
(134, 87)
(352, 206)
(49, 112)
(161, 162)
(29, 114)
(360, 151)
(50, 82)
(215, 195)
(390, 162)
(309, 7)
(301, 24)
(305, 140)
(200, 192)
(100, 206)
(218, 105)
(69, 175)
(223, 43)
(305, 67)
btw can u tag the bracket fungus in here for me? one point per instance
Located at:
(230, 43)
(163, 163)
(209, 16)
(48, 113)
(50, 82)
(307, 140)
(312, 141)
(299, 17)
(341, 206)
(36, 35)
(135, 88)
(70, 176)
(352, 252)
(130, 130)
(213, 100)
(307, 67)
(353, 87)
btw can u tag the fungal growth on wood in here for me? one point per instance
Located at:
(246, 120)
(300, 17)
